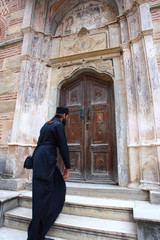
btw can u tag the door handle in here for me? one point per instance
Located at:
(88, 117)
(82, 112)
(88, 114)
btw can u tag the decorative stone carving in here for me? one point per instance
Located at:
(105, 66)
(64, 72)
(84, 44)
(101, 66)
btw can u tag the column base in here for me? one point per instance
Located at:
(11, 184)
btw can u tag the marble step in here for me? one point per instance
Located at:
(74, 227)
(14, 234)
(90, 206)
(106, 191)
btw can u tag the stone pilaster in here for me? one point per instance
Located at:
(28, 14)
(150, 165)
(133, 134)
(142, 91)
(120, 113)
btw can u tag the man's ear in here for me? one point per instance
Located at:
(64, 115)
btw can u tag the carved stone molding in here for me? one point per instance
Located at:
(84, 44)
(10, 42)
(75, 45)
(87, 56)
(102, 66)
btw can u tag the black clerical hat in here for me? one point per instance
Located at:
(62, 110)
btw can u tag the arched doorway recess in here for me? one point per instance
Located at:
(91, 128)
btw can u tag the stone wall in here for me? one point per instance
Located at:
(11, 38)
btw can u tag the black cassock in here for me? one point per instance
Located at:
(48, 185)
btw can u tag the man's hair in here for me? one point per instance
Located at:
(58, 115)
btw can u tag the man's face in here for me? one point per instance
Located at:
(64, 119)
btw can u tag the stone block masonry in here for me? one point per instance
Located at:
(11, 37)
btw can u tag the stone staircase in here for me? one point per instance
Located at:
(91, 211)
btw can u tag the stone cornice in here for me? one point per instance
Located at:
(34, 59)
(10, 42)
(136, 39)
(22, 145)
(31, 30)
(150, 143)
(108, 53)
(141, 35)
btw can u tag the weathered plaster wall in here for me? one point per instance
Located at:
(11, 37)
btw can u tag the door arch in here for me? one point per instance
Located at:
(90, 128)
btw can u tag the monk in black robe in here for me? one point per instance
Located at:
(48, 185)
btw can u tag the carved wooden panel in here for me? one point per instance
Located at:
(75, 161)
(100, 130)
(98, 95)
(73, 95)
(100, 162)
(74, 127)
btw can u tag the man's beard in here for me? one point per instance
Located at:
(64, 121)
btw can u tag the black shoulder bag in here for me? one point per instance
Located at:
(28, 162)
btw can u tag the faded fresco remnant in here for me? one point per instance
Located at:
(89, 15)
(39, 15)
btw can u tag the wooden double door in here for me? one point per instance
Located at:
(90, 129)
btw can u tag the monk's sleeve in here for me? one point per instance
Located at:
(62, 145)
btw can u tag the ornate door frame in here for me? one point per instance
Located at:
(120, 112)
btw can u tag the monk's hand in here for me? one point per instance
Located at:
(66, 173)
(35, 140)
